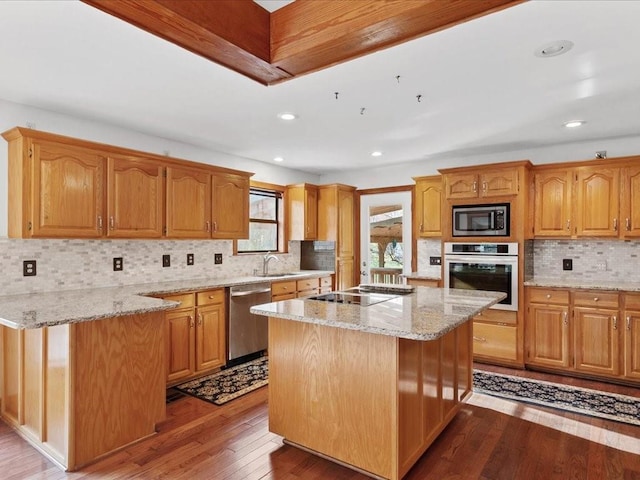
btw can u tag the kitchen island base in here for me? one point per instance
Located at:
(373, 402)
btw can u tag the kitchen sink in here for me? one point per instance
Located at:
(288, 274)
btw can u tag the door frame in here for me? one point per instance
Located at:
(376, 191)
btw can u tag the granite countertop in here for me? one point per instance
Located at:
(591, 284)
(37, 310)
(426, 314)
(421, 276)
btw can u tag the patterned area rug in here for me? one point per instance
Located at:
(221, 387)
(621, 408)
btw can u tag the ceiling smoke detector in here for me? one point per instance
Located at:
(554, 49)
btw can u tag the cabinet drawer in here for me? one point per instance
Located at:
(632, 301)
(548, 295)
(497, 341)
(187, 300)
(280, 288)
(595, 299)
(208, 297)
(283, 296)
(308, 284)
(498, 316)
(325, 282)
(308, 293)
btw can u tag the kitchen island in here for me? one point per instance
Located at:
(371, 387)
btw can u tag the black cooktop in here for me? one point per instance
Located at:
(364, 300)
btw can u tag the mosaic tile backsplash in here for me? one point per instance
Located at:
(76, 264)
(431, 247)
(602, 260)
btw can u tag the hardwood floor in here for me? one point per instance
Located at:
(489, 439)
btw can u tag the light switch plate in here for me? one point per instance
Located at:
(435, 260)
(166, 260)
(567, 264)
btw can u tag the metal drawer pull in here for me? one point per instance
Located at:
(615, 224)
(628, 222)
(629, 323)
(595, 299)
(615, 322)
(191, 324)
(479, 339)
(565, 317)
(568, 224)
(548, 295)
(475, 186)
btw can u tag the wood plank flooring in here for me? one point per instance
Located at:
(490, 439)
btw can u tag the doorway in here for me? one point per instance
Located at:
(385, 237)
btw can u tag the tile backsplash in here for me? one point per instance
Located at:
(597, 259)
(431, 247)
(76, 264)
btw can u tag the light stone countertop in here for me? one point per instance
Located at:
(37, 310)
(421, 276)
(621, 286)
(426, 314)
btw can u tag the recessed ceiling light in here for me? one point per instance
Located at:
(553, 49)
(574, 123)
(278, 159)
(376, 154)
(287, 116)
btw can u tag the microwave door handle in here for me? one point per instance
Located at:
(492, 219)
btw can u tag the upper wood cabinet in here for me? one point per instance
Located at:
(69, 188)
(630, 202)
(428, 205)
(552, 203)
(66, 196)
(135, 198)
(491, 183)
(302, 211)
(230, 206)
(188, 203)
(598, 199)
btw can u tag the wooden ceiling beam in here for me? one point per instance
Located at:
(302, 37)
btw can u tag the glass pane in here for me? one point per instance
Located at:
(262, 207)
(386, 254)
(262, 237)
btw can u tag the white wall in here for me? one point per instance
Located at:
(401, 174)
(13, 114)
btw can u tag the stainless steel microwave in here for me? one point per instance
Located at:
(481, 220)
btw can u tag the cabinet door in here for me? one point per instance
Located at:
(230, 206)
(180, 343)
(346, 224)
(428, 206)
(68, 191)
(461, 185)
(631, 202)
(499, 182)
(188, 203)
(598, 196)
(344, 273)
(135, 198)
(210, 337)
(552, 204)
(632, 345)
(597, 340)
(548, 335)
(302, 212)
(311, 213)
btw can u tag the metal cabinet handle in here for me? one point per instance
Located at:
(569, 224)
(565, 318)
(215, 226)
(628, 224)
(99, 222)
(615, 224)
(479, 339)
(208, 225)
(615, 322)
(628, 322)
(199, 319)
(191, 323)
(421, 227)
(112, 223)
(475, 186)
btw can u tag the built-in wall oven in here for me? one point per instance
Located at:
(483, 266)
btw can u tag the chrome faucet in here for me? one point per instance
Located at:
(265, 262)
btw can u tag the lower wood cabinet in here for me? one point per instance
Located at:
(423, 282)
(584, 332)
(195, 335)
(288, 289)
(495, 337)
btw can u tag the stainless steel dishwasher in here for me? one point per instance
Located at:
(247, 333)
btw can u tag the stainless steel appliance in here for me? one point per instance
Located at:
(481, 220)
(247, 333)
(483, 266)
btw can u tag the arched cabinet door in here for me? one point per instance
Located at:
(230, 206)
(188, 203)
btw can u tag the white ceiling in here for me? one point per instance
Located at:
(482, 88)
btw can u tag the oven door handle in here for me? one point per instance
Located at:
(506, 259)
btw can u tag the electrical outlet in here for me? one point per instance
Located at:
(189, 258)
(601, 266)
(435, 260)
(217, 258)
(166, 260)
(29, 268)
(118, 263)
(567, 264)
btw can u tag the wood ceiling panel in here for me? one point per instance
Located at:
(302, 37)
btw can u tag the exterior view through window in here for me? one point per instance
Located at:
(265, 213)
(386, 252)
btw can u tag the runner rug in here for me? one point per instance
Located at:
(612, 406)
(221, 387)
